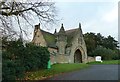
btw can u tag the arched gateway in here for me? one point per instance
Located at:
(77, 56)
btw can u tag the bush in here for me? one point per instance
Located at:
(8, 70)
(117, 54)
(18, 59)
(12, 69)
(35, 57)
(106, 54)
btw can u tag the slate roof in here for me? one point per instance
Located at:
(51, 38)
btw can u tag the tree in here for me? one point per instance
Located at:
(90, 41)
(106, 54)
(15, 14)
(97, 40)
(110, 43)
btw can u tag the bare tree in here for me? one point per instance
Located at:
(16, 13)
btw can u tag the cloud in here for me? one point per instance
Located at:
(104, 22)
(101, 27)
(111, 15)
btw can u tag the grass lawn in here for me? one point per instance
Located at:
(106, 62)
(55, 69)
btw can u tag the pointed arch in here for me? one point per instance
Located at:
(77, 56)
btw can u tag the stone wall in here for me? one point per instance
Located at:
(57, 58)
(53, 54)
(90, 59)
(62, 59)
(38, 38)
(52, 59)
(61, 47)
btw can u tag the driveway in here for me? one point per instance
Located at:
(95, 72)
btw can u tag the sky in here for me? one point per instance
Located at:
(98, 16)
(94, 16)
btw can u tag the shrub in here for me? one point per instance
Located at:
(12, 69)
(35, 57)
(18, 59)
(106, 54)
(117, 54)
(8, 70)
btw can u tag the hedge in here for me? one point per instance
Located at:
(18, 59)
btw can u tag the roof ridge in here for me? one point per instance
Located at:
(46, 32)
(72, 29)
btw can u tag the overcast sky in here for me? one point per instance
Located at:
(94, 15)
(98, 17)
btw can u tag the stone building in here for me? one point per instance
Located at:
(64, 46)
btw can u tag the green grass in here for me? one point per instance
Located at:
(55, 69)
(106, 62)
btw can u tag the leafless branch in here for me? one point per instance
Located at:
(44, 11)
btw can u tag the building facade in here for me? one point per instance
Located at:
(64, 46)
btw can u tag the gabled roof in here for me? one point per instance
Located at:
(49, 38)
(70, 35)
